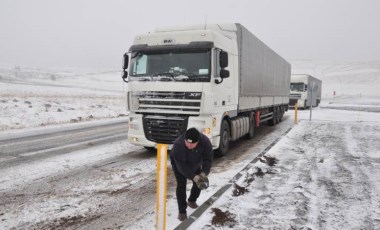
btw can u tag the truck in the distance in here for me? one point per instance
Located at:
(305, 90)
(218, 78)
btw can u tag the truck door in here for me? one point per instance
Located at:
(223, 88)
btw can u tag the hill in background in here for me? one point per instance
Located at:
(353, 82)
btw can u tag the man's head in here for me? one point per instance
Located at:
(191, 138)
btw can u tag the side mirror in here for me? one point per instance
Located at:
(125, 76)
(125, 61)
(125, 66)
(223, 59)
(224, 73)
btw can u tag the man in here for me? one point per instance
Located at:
(191, 158)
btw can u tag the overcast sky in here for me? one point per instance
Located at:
(95, 33)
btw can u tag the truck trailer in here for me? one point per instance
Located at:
(218, 78)
(305, 90)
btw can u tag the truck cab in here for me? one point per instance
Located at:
(179, 79)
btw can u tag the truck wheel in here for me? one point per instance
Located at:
(150, 149)
(281, 114)
(278, 115)
(252, 124)
(273, 121)
(224, 142)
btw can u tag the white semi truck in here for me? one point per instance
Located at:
(218, 78)
(305, 90)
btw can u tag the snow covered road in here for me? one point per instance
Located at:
(28, 148)
(327, 177)
(110, 186)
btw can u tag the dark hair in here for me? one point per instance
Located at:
(192, 135)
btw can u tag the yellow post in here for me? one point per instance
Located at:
(161, 190)
(296, 113)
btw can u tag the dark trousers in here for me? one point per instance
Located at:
(181, 192)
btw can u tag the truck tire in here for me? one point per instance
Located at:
(224, 142)
(252, 126)
(273, 121)
(150, 149)
(278, 115)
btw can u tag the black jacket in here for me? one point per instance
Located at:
(191, 162)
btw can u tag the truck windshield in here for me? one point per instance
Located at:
(182, 65)
(297, 87)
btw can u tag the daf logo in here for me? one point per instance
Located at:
(168, 41)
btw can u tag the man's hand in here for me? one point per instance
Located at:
(201, 181)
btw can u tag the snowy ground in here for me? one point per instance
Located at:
(32, 97)
(326, 176)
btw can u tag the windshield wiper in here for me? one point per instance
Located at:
(142, 78)
(196, 77)
(168, 76)
(164, 76)
(189, 76)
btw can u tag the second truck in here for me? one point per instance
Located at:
(305, 90)
(219, 78)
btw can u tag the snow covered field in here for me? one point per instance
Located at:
(326, 176)
(32, 97)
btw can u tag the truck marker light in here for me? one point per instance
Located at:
(135, 139)
(206, 131)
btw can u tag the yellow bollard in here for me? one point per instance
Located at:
(161, 188)
(296, 113)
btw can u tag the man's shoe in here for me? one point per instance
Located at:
(182, 216)
(192, 205)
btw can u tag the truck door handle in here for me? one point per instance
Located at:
(223, 102)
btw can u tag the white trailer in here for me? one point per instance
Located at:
(305, 90)
(218, 78)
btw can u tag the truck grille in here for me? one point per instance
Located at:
(167, 102)
(162, 129)
(295, 95)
